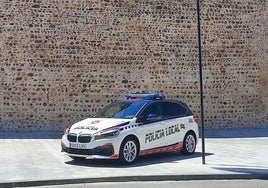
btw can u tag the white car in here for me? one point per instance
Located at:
(139, 125)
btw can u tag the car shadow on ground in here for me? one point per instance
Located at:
(236, 133)
(31, 135)
(172, 157)
(244, 170)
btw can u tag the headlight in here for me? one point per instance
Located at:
(107, 134)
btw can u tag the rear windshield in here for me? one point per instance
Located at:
(121, 110)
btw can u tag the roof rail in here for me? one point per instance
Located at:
(153, 96)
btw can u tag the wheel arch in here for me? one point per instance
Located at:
(134, 137)
(192, 131)
(188, 148)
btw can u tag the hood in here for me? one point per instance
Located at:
(94, 125)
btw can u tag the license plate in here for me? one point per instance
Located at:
(77, 145)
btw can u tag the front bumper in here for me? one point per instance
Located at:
(102, 149)
(105, 151)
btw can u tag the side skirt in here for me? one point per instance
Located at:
(170, 148)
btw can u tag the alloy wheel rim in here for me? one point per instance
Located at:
(130, 151)
(190, 143)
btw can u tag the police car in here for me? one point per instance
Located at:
(141, 124)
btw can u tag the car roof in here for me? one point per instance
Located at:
(150, 97)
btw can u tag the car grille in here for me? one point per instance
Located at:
(72, 137)
(83, 138)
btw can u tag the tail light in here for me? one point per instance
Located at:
(195, 117)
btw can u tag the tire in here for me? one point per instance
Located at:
(128, 151)
(189, 144)
(77, 158)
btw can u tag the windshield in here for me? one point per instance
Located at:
(121, 109)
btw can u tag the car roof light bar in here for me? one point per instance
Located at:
(153, 96)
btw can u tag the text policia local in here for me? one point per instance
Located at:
(158, 134)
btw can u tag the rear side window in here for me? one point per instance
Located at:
(173, 109)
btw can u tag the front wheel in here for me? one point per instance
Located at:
(128, 151)
(189, 144)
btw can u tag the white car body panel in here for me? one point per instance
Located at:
(93, 125)
(102, 137)
(150, 136)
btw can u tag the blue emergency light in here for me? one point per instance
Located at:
(160, 96)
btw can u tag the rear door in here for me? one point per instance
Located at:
(176, 121)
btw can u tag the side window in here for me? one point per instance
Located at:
(152, 112)
(173, 109)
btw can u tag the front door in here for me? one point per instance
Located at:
(153, 126)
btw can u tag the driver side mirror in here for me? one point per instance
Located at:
(140, 119)
(152, 117)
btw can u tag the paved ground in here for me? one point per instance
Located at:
(29, 159)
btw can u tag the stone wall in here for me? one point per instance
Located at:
(63, 60)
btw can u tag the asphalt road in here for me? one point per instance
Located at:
(173, 184)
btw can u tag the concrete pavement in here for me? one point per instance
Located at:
(34, 159)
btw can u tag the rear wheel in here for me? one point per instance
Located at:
(189, 144)
(128, 151)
